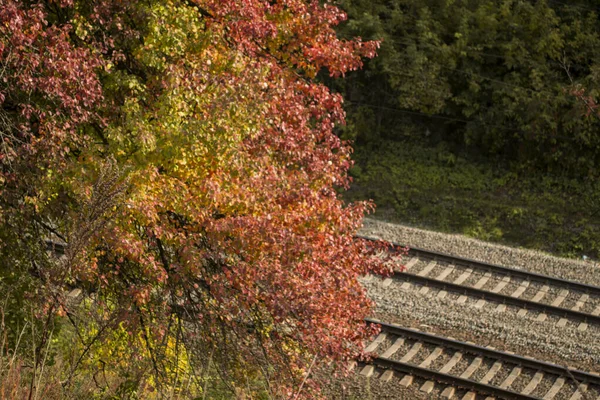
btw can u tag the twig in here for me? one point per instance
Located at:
(306, 377)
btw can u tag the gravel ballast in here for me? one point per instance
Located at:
(504, 330)
(482, 326)
(458, 245)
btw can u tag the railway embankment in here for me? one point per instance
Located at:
(550, 316)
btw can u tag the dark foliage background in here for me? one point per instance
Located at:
(480, 117)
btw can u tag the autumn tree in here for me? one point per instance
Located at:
(182, 155)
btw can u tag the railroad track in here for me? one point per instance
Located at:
(457, 366)
(498, 286)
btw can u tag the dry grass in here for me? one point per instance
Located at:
(20, 379)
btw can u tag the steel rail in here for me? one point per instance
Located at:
(580, 376)
(518, 273)
(451, 379)
(499, 298)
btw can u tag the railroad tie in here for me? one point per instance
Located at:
(432, 357)
(463, 277)
(412, 352)
(450, 390)
(387, 375)
(562, 322)
(520, 290)
(480, 303)
(444, 274)
(501, 285)
(472, 368)
(596, 311)
(514, 374)
(578, 306)
(406, 286)
(483, 280)
(540, 294)
(411, 263)
(428, 268)
(451, 363)
(469, 396)
(581, 302)
(485, 380)
(492, 372)
(408, 379)
(558, 384)
(533, 383)
(393, 348)
(448, 393)
(375, 343)
(562, 295)
(442, 294)
(428, 386)
(351, 365)
(542, 317)
(578, 395)
(368, 370)
(481, 283)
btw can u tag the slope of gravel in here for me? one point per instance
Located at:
(507, 331)
(523, 335)
(357, 387)
(578, 270)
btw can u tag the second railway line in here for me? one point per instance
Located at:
(466, 368)
(484, 283)
(530, 313)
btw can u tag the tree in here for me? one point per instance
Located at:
(503, 77)
(183, 154)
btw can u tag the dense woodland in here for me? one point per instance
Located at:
(480, 117)
(518, 79)
(179, 194)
